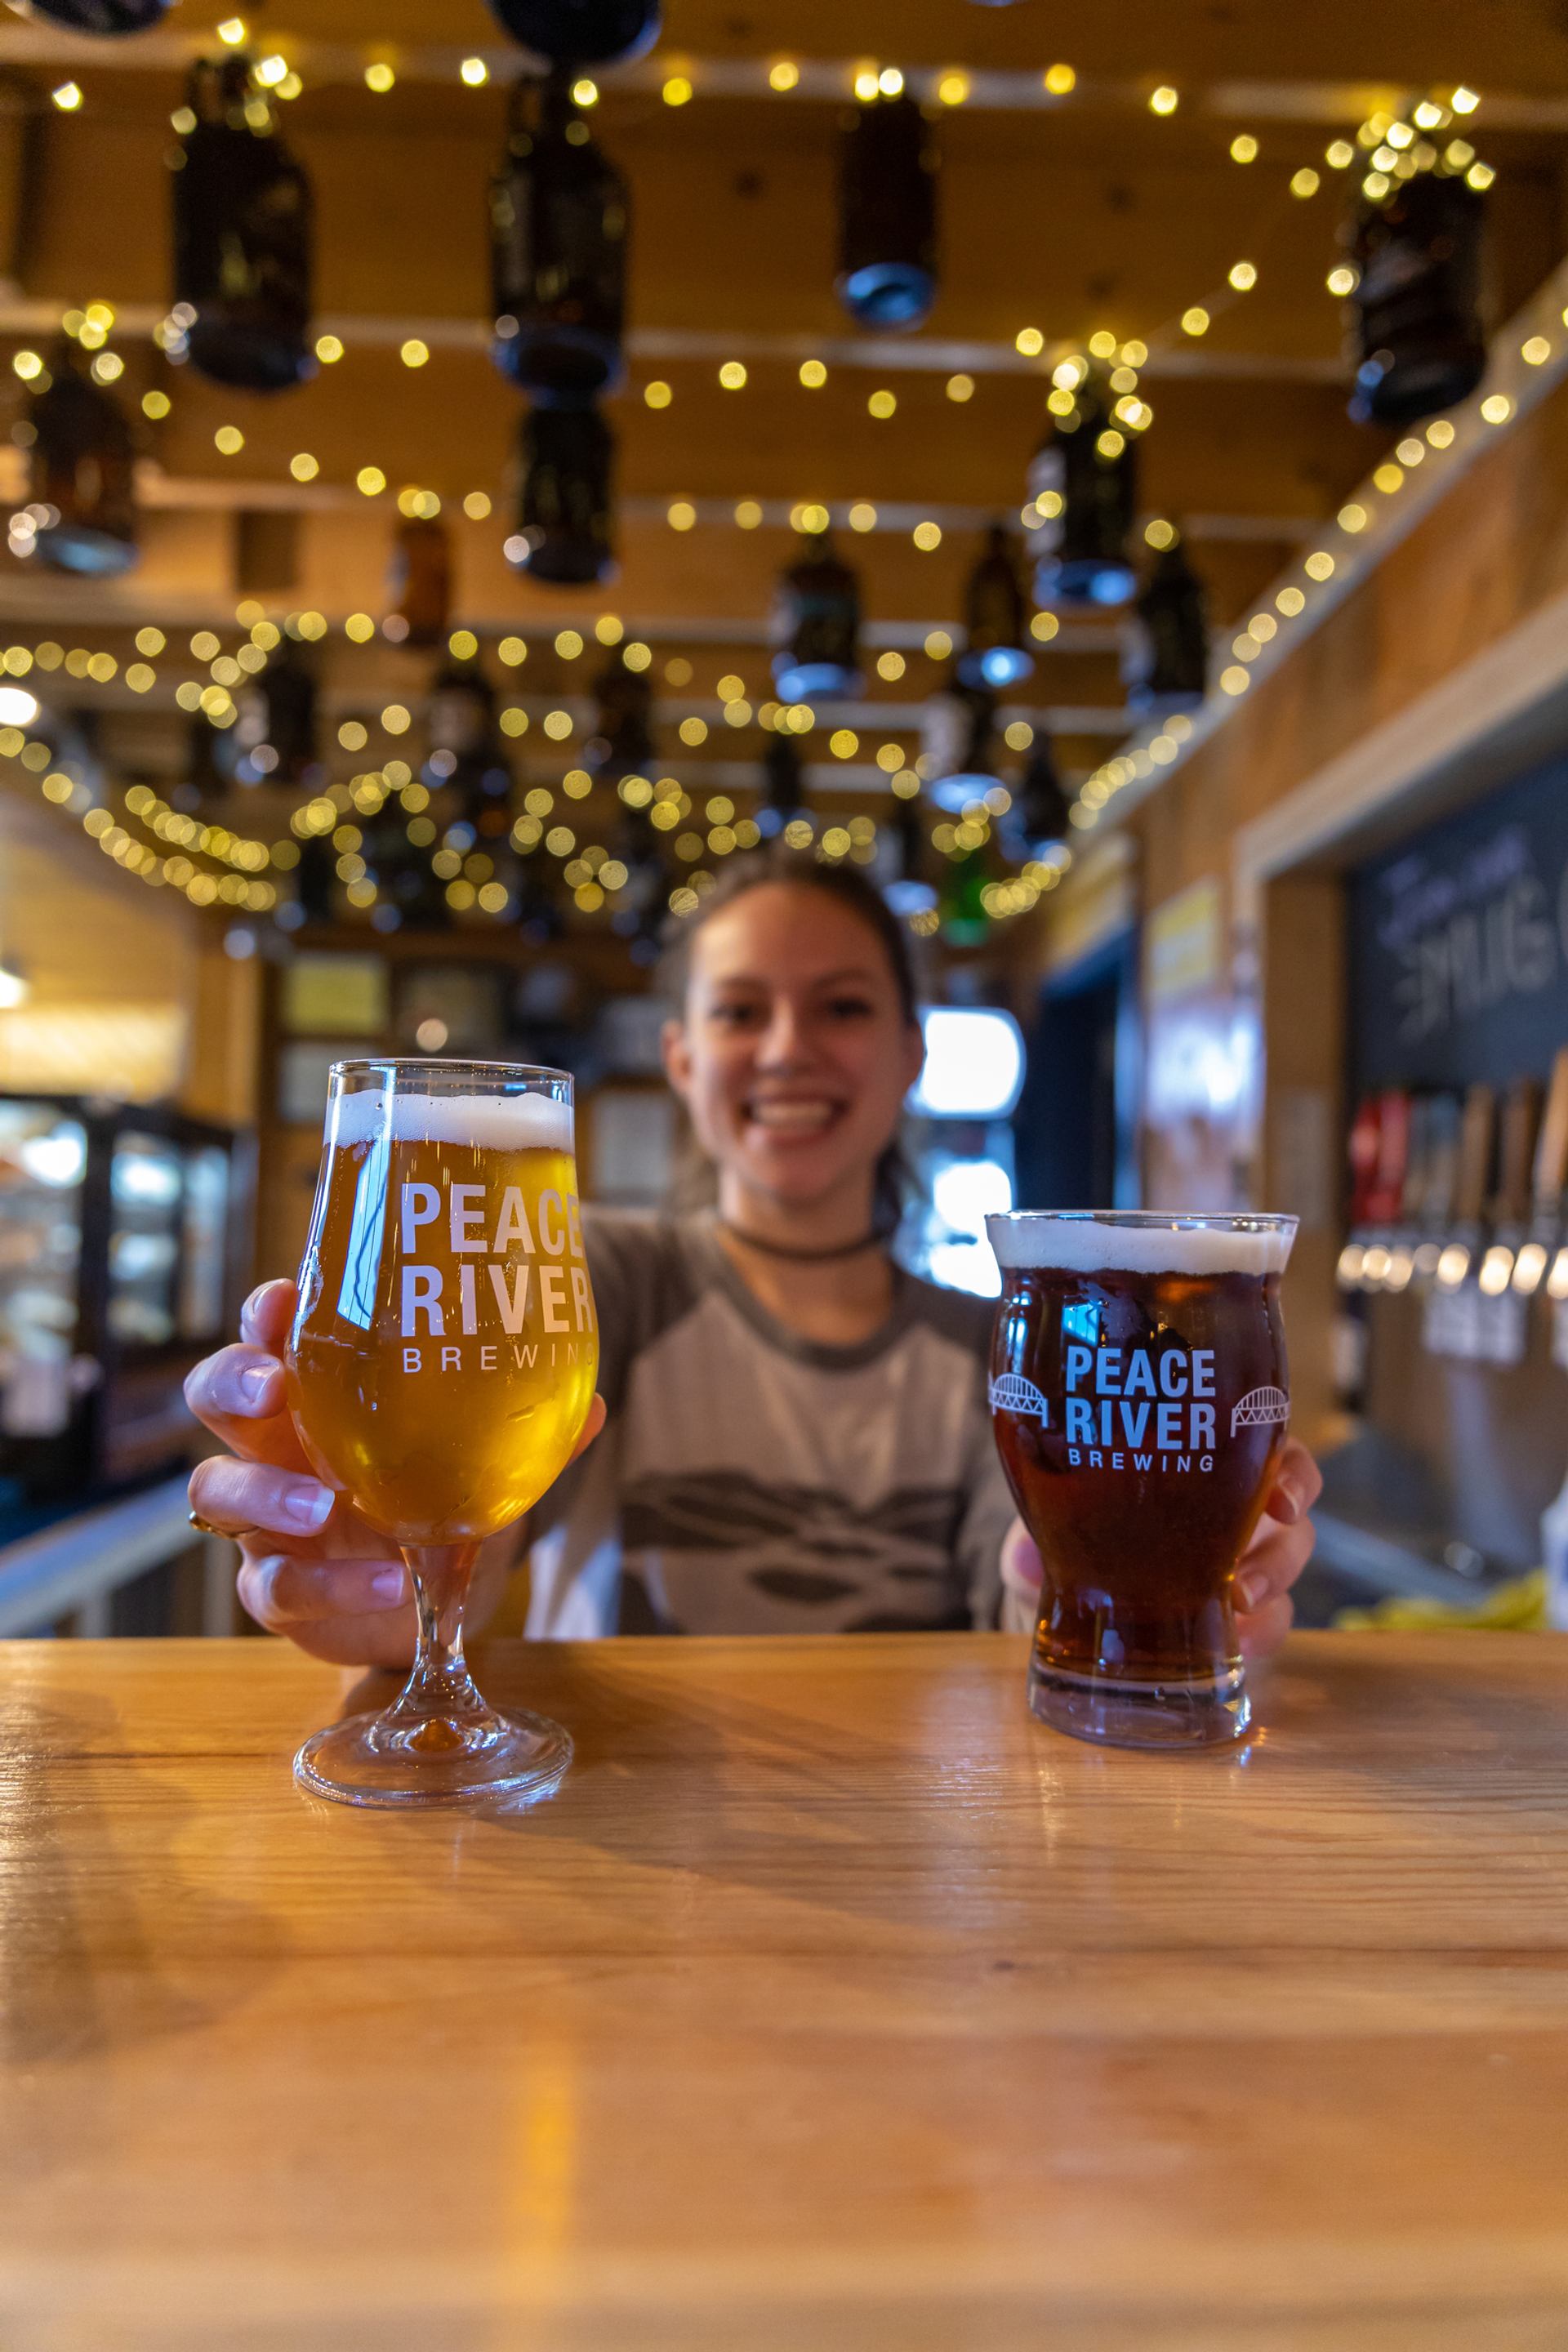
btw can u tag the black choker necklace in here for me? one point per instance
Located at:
(875, 1239)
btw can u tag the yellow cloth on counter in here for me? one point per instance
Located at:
(1518, 1607)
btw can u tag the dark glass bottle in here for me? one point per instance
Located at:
(784, 785)
(957, 760)
(1165, 653)
(242, 237)
(579, 32)
(1084, 480)
(80, 473)
(420, 580)
(1039, 812)
(622, 740)
(1421, 342)
(112, 17)
(559, 215)
(273, 735)
(997, 618)
(816, 625)
(911, 891)
(565, 515)
(887, 214)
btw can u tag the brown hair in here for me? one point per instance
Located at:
(851, 889)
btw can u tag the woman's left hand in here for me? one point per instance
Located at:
(1281, 1547)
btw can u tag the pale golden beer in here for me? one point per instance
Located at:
(445, 1346)
(441, 1368)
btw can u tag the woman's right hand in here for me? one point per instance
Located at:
(312, 1568)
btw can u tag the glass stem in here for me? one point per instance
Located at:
(440, 1687)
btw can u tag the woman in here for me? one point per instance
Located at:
(798, 1437)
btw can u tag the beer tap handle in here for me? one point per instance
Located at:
(1550, 1171)
(1516, 1154)
(1477, 1142)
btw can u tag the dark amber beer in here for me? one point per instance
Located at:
(1140, 1398)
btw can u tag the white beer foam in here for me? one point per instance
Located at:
(1085, 1246)
(488, 1122)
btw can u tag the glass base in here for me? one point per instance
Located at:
(391, 1759)
(1208, 1713)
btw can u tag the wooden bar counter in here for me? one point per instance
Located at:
(834, 2004)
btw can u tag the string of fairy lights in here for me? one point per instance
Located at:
(278, 73)
(1388, 146)
(459, 860)
(1309, 589)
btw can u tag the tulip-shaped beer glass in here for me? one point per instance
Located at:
(441, 1366)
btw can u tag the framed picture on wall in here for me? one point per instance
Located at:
(334, 996)
(449, 1008)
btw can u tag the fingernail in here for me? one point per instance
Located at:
(308, 1504)
(1285, 1502)
(390, 1585)
(1251, 1589)
(254, 1381)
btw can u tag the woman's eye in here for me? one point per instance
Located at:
(849, 1008)
(737, 1016)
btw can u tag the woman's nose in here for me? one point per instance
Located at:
(782, 1042)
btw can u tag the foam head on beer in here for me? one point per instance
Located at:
(445, 1345)
(1088, 1244)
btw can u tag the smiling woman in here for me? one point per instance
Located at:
(797, 1438)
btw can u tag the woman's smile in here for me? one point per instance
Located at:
(790, 1117)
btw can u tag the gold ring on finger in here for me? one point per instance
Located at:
(205, 1527)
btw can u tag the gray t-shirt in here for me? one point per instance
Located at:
(751, 1481)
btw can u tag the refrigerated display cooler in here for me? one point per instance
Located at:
(124, 1233)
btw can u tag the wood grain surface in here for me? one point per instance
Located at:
(834, 2003)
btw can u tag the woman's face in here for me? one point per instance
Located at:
(793, 1055)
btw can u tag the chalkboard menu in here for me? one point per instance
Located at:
(1460, 945)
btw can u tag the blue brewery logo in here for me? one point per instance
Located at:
(1011, 1392)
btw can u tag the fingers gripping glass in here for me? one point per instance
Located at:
(441, 1366)
(1140, 1398)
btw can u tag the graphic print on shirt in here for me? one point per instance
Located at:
(750, 1482)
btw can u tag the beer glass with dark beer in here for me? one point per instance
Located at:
(440, 1368)
(1140, 1398)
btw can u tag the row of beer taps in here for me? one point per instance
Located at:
(1452, 1190)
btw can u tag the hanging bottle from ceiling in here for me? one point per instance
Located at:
(957, 762)
(1418, 254)
(273, 739)
(242, 237)
(565, 516)
(887, 214)
(784, 785)
(559, 215)
(1038, 818)
(910, 891)
(80, 473)
(412, 895)
(419, 580)
(816, 625)
(102, 17)
(997, 618)
(460, 721)
(1165, 650)
(579, 32)
(622, 741)
(1084, 482)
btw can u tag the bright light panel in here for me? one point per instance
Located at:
(974, 1064)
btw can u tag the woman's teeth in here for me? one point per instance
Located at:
(793, 1118)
